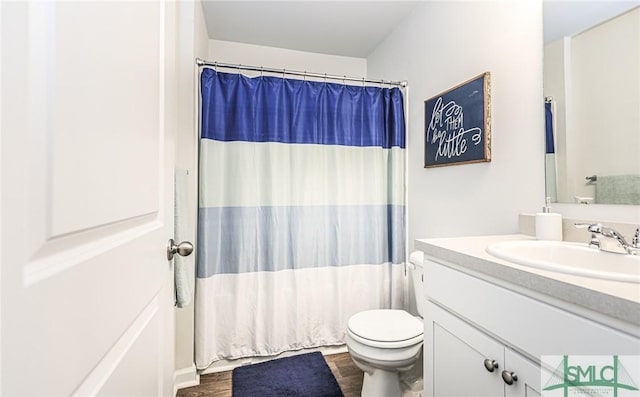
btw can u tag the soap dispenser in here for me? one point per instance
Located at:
(548, 224)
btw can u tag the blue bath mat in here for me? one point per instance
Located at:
(305, 375)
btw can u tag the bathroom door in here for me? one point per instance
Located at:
(88, 120)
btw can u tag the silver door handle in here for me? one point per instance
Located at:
(184, 248)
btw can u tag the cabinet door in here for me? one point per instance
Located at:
(527, 373)
(456, 356)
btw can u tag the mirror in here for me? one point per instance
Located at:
(592, 93)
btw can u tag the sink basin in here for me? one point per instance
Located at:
(570, 258)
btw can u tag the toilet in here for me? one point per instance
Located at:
(384, 343)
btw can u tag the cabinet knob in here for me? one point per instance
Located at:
(509, 377)
(490, 364)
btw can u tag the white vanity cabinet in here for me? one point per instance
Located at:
(458, 351)
(475, 323)
(528, 382)
(468, 362)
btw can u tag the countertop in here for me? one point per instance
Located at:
(615, 300)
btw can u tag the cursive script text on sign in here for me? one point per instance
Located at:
(446, 130)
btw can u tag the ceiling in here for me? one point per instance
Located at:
(347, 28)
(568, 18)
(356, 28)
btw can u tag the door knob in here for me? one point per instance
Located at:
(509, 377)
(490, 364)
(184, 248)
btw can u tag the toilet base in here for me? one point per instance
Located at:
(383, 367)
(381, 384)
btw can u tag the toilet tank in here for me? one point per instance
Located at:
(417, 268)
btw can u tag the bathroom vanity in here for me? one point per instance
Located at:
(489, 321)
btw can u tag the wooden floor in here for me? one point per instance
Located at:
(349, 378)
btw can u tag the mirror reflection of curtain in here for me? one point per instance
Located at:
(550, 155)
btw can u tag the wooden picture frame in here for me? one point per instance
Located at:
(458, 124)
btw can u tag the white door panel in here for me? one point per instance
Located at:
(121, 113)
(120, 366)
(87, 171)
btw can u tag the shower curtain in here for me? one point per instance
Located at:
(301, 212)
(551, 184)
(548, 128)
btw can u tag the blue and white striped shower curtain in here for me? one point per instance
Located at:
(302, 212)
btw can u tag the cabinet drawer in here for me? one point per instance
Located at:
(532, 326)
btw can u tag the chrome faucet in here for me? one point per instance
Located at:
(609, 240)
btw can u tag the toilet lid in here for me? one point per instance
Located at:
(385, 325)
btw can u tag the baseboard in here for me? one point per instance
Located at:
(185, 377)
(228, 365)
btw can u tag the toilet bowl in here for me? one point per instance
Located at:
(384, 343)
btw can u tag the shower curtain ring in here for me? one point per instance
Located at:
(261, 71)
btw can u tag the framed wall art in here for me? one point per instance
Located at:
(458, 124)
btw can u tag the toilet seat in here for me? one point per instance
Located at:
(388, 328)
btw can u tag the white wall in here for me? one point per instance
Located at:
(271, 57)
(439, 46)
(192, 42)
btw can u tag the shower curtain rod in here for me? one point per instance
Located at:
(325, 76)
